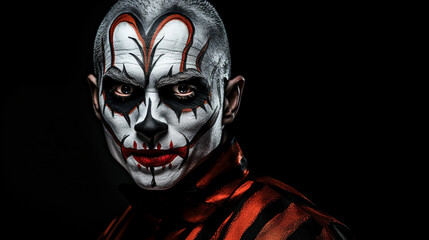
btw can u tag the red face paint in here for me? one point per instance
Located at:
(154, 157)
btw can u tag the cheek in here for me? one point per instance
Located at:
(189, 121)
(115, 123)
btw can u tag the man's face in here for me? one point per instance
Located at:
(160, 109)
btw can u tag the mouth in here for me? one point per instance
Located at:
(155, 157)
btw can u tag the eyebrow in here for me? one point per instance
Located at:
(180, 77)
(122, 76)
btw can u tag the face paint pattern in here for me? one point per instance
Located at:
(160, 109)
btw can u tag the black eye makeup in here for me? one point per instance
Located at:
(185, 95)
(122, 97)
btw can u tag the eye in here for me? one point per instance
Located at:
(123, 90)
(184, 91)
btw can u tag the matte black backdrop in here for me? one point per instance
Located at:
(306, 116)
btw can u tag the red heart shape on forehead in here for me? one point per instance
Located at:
(146, 40)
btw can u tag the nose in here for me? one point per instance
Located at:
(150, 127)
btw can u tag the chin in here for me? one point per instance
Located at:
(157, 178)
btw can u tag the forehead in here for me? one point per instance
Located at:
(170, 45)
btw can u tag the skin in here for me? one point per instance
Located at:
(161, 87)
(232, 97)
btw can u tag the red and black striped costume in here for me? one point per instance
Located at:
(220, 200)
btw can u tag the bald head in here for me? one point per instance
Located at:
(162, 37)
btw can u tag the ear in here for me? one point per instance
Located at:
(233, 93)
(93, 87)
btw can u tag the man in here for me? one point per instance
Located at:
(163, 92)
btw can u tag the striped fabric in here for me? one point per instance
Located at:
(222, 201)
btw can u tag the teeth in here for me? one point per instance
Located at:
(158, 146)
(156, 169)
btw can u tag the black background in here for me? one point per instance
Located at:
(309, 115)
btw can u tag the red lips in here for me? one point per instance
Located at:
(154, 157)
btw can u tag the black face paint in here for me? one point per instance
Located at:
(153, 183)
(121, 105)
(164, 66)
(150, 127)
(200, 96)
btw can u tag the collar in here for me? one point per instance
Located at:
(200, 193)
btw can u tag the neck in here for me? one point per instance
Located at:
(225, 136)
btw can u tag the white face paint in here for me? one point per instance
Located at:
(161, 111)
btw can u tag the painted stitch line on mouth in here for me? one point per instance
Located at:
(154, 157)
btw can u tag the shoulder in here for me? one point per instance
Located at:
(270, 209)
